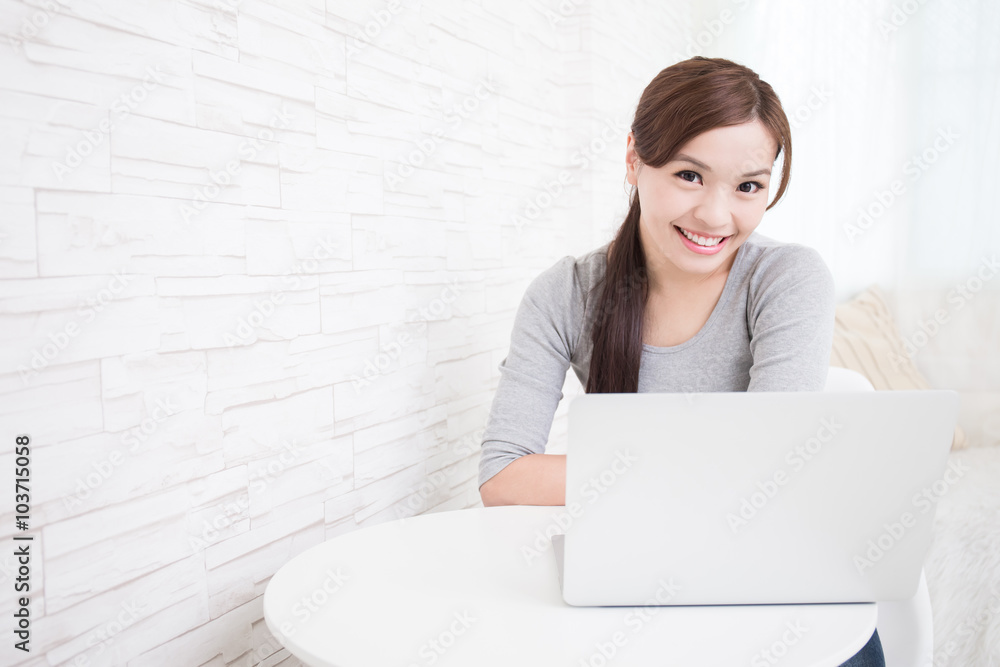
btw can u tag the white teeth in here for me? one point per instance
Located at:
(701, 240)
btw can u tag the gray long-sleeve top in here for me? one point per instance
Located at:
(771, 330)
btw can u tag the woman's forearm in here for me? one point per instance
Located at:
(533, 479)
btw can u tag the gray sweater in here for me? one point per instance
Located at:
(772, 330)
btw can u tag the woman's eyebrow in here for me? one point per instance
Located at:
(688, 158)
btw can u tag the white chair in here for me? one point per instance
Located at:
(905, 627)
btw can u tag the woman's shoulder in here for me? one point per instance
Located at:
(765, 256)
(770, 264)
(570, 276)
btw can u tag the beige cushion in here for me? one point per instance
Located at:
(866, 340)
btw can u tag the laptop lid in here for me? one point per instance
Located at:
(753, 497)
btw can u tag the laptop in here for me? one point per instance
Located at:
(752, 497)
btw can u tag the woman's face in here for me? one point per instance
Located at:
(715, 187)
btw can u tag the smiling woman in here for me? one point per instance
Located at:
(687, 297)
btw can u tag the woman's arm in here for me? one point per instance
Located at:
(513, 466)
(534, 479)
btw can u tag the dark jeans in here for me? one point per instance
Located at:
(869, 656)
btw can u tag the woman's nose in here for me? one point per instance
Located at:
(712, 210)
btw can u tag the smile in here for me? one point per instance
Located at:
(704, 241)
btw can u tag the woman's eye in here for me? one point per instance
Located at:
(684, 175)
(756, 185)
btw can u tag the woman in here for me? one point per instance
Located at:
(687, 297)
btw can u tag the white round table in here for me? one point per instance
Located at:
(480, 587)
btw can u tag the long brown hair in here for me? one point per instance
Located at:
(681, 102)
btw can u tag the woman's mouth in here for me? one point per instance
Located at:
(703, 245)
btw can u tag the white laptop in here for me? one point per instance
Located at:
(752, 497)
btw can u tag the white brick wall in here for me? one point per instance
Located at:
(259, 261)
(312, 229)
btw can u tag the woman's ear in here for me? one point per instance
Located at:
(632, 161)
